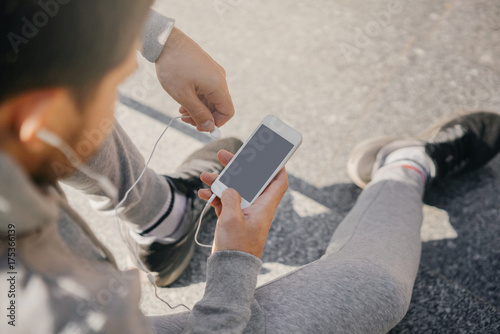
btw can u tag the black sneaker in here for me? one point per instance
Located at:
(457, 145)
(465, 143)
(167, 259)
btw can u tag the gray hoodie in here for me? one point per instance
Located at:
(53, 282)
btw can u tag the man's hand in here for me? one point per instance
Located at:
(195, 81)
(243, 230)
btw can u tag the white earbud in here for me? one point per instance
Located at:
(216, 134)
(50, 138)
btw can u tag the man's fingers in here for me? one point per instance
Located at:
(271, 196)
(224, 157)
(216, 203)
(215, 107)
(208, 178)
(198, 111)
(231, 206)
(188, 121)
(275, 190)
(223, 105)
(278, 185)
(205, 194)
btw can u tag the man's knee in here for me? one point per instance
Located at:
(383, 298)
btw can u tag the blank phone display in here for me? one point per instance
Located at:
(253, 166)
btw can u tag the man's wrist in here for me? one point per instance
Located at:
(156, 33)
(173, 40)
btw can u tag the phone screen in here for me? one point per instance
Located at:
(256, 162)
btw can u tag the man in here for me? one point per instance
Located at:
(63, 80)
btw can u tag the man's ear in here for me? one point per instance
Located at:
(32, 112)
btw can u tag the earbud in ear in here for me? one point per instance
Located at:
(50, 138)
(53, 140)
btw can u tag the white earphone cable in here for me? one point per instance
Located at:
(199, 223)
(112, 192)
(122, 226)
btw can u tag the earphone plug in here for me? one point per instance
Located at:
(216, 134)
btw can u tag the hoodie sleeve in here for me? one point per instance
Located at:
(155, 35)
(226, 306)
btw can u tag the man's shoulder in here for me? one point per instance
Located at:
(50, 290)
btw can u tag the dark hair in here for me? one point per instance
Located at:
(68, 43)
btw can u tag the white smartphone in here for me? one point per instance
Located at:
(258, 161)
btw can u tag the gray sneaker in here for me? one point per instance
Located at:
(167, 259)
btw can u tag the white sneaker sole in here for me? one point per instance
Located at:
(362, 158)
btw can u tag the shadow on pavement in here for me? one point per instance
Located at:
(456, 290)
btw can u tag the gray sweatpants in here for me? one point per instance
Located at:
(362, 284)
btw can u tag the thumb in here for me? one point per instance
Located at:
(198, 111)
(231, 205)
